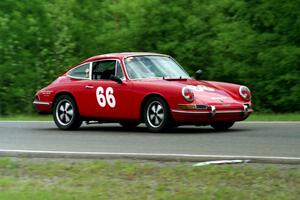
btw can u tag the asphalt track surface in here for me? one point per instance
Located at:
(270, 139)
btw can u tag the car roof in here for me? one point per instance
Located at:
(120, 55)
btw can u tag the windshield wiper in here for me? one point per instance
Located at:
(174, 78)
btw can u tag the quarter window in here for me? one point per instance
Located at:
(81, 72)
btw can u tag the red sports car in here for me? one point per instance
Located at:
(131, 88)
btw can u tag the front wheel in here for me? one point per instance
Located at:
(65, 113)
(222, 126)
(156, 114)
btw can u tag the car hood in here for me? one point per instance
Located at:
(205, 92)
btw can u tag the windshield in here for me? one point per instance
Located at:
(153, 66)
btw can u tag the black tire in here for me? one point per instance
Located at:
(222, 126)
(129, 125)
(65, 113)
(156, 114)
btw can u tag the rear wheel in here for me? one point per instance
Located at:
(156, 114)
(65, 113)
(221, 126)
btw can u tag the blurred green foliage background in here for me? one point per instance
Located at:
(251, 42)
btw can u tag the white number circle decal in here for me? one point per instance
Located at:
(110, 99)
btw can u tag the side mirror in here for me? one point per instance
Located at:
(198, 74)
(115, 78)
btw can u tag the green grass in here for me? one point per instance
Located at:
(43, 179)
(274, 117)
(253, 117)
(26, 118)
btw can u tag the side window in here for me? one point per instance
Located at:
(82, 71)
(119, 72)
(103, 69)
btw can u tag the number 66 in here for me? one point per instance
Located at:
(110, 99)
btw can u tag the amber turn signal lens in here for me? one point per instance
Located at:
(187, 106)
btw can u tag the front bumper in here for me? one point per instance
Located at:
(212, 114)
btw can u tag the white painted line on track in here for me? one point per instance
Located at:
(158, 156)
(239, 122)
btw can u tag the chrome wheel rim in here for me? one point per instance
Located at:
(155, 114)
(64, 112)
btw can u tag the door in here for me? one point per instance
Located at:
(102, 97)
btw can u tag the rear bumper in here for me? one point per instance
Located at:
(44, 103)
(211, 115)
(42, 106)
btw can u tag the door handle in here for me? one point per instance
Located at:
(89, 87)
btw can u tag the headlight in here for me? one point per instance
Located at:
(245, 92)
(188, 94)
